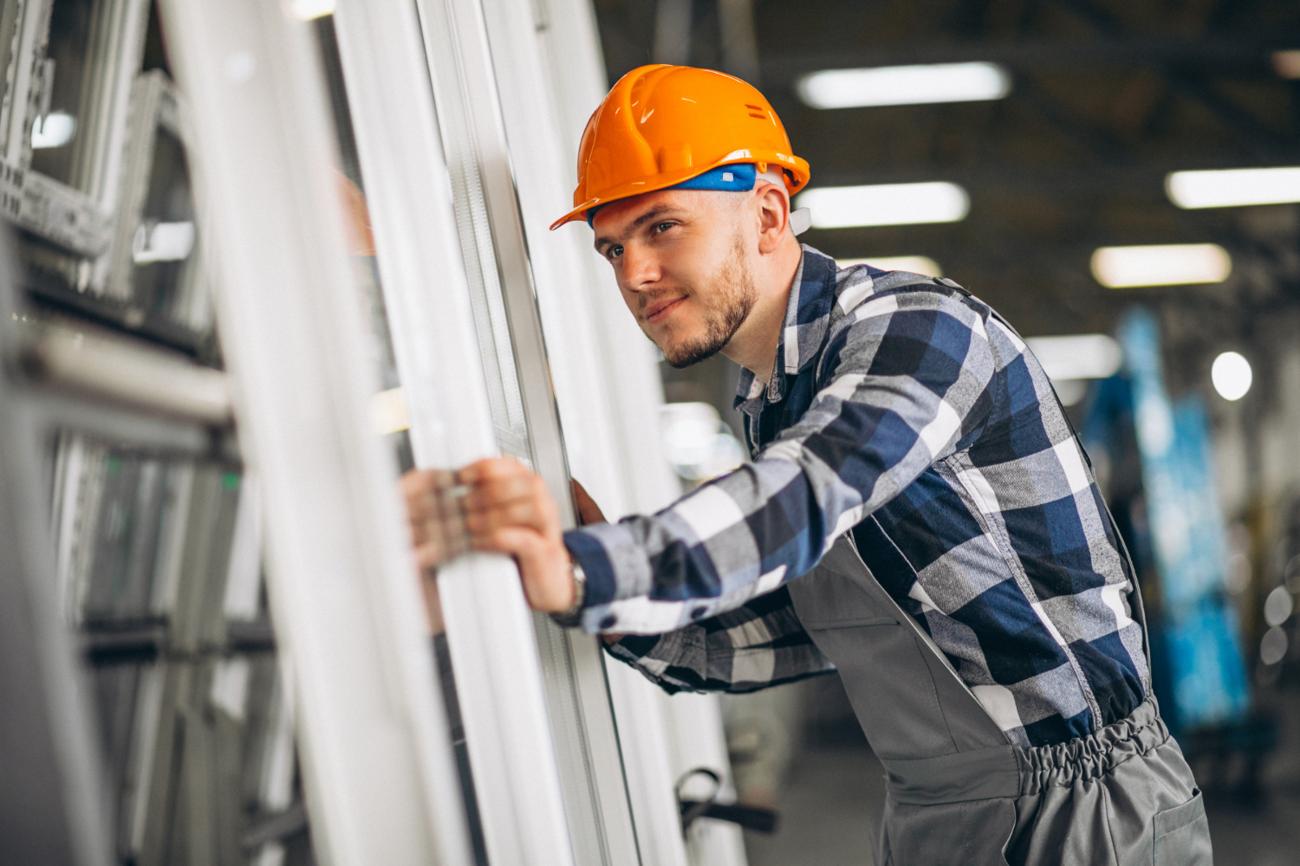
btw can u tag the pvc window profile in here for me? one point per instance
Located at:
(377, 768)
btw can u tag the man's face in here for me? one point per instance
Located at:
(681, 260)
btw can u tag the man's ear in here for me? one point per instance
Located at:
(773, 211)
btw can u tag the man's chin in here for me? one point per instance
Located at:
(679, 357)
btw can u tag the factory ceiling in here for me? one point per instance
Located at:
(1106, 98)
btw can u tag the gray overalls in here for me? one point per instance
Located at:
(957, 790)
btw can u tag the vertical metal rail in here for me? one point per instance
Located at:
(53, 808)
(29, 39)
(116, 49)
(489, 632)
(378, 771)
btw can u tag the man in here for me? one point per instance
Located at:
(918, 515)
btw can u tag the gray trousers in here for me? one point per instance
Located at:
(957, 791)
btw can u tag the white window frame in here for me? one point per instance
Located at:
(379, 777)
(489, 629)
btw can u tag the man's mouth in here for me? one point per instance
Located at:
(659, 311)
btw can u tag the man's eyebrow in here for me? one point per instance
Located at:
(654, 213)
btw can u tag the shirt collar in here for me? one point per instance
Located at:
(807, 314)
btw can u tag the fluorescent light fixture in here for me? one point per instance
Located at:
(1077, 356)
(53, 130)
(1234, 187)
(904, 85)
(1160, 265)
(309, 9)
(887, 204)
(1231, 375)
(913, 264)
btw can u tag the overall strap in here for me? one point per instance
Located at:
(904, 618)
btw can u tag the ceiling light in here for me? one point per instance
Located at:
(1279, 606)
(1287, 63)
(1160, 265)
(53, 130)
(309, 9)
(913, 264)
(1231, 375)
(904, 85)
(1077, 356)
(1234, 187)
(888, 204)
(1272, 647)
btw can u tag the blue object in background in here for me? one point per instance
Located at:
(1181, 535)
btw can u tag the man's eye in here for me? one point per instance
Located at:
(660, 228)
(613, 251)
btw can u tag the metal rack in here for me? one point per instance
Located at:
(219, 591)
(142, 570)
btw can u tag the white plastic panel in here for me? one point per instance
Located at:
(379, 778)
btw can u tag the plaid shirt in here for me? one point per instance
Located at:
(907, 411)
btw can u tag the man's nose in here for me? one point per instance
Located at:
(640, 269)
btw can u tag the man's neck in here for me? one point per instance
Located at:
(755, 342)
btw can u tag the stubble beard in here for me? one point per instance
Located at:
(736, 295)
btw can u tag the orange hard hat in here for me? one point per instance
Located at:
(661, 125)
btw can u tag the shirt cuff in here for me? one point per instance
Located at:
(615, 565)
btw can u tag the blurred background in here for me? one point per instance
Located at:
(1120, 181)
(260, 257)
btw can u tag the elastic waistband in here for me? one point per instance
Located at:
(1095, 755)
(1012, 771)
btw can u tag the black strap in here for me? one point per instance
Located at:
(757, 818)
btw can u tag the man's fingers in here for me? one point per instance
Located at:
(490, 468)
(490, 492)
(537, 566)
(431, 494)
(430, 556)
(528, 513)
(426, 479)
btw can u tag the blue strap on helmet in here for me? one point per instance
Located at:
(725, 178)
(728, 178)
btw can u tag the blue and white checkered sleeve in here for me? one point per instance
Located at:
(904, 377)
(759, 644)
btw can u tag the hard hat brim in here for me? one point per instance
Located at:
(800, 171)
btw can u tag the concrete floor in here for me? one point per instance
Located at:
(834, 791)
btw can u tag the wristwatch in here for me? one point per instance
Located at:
(573, 616)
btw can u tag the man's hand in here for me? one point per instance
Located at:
(437, 529)
(496, 505)
(509, 510)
